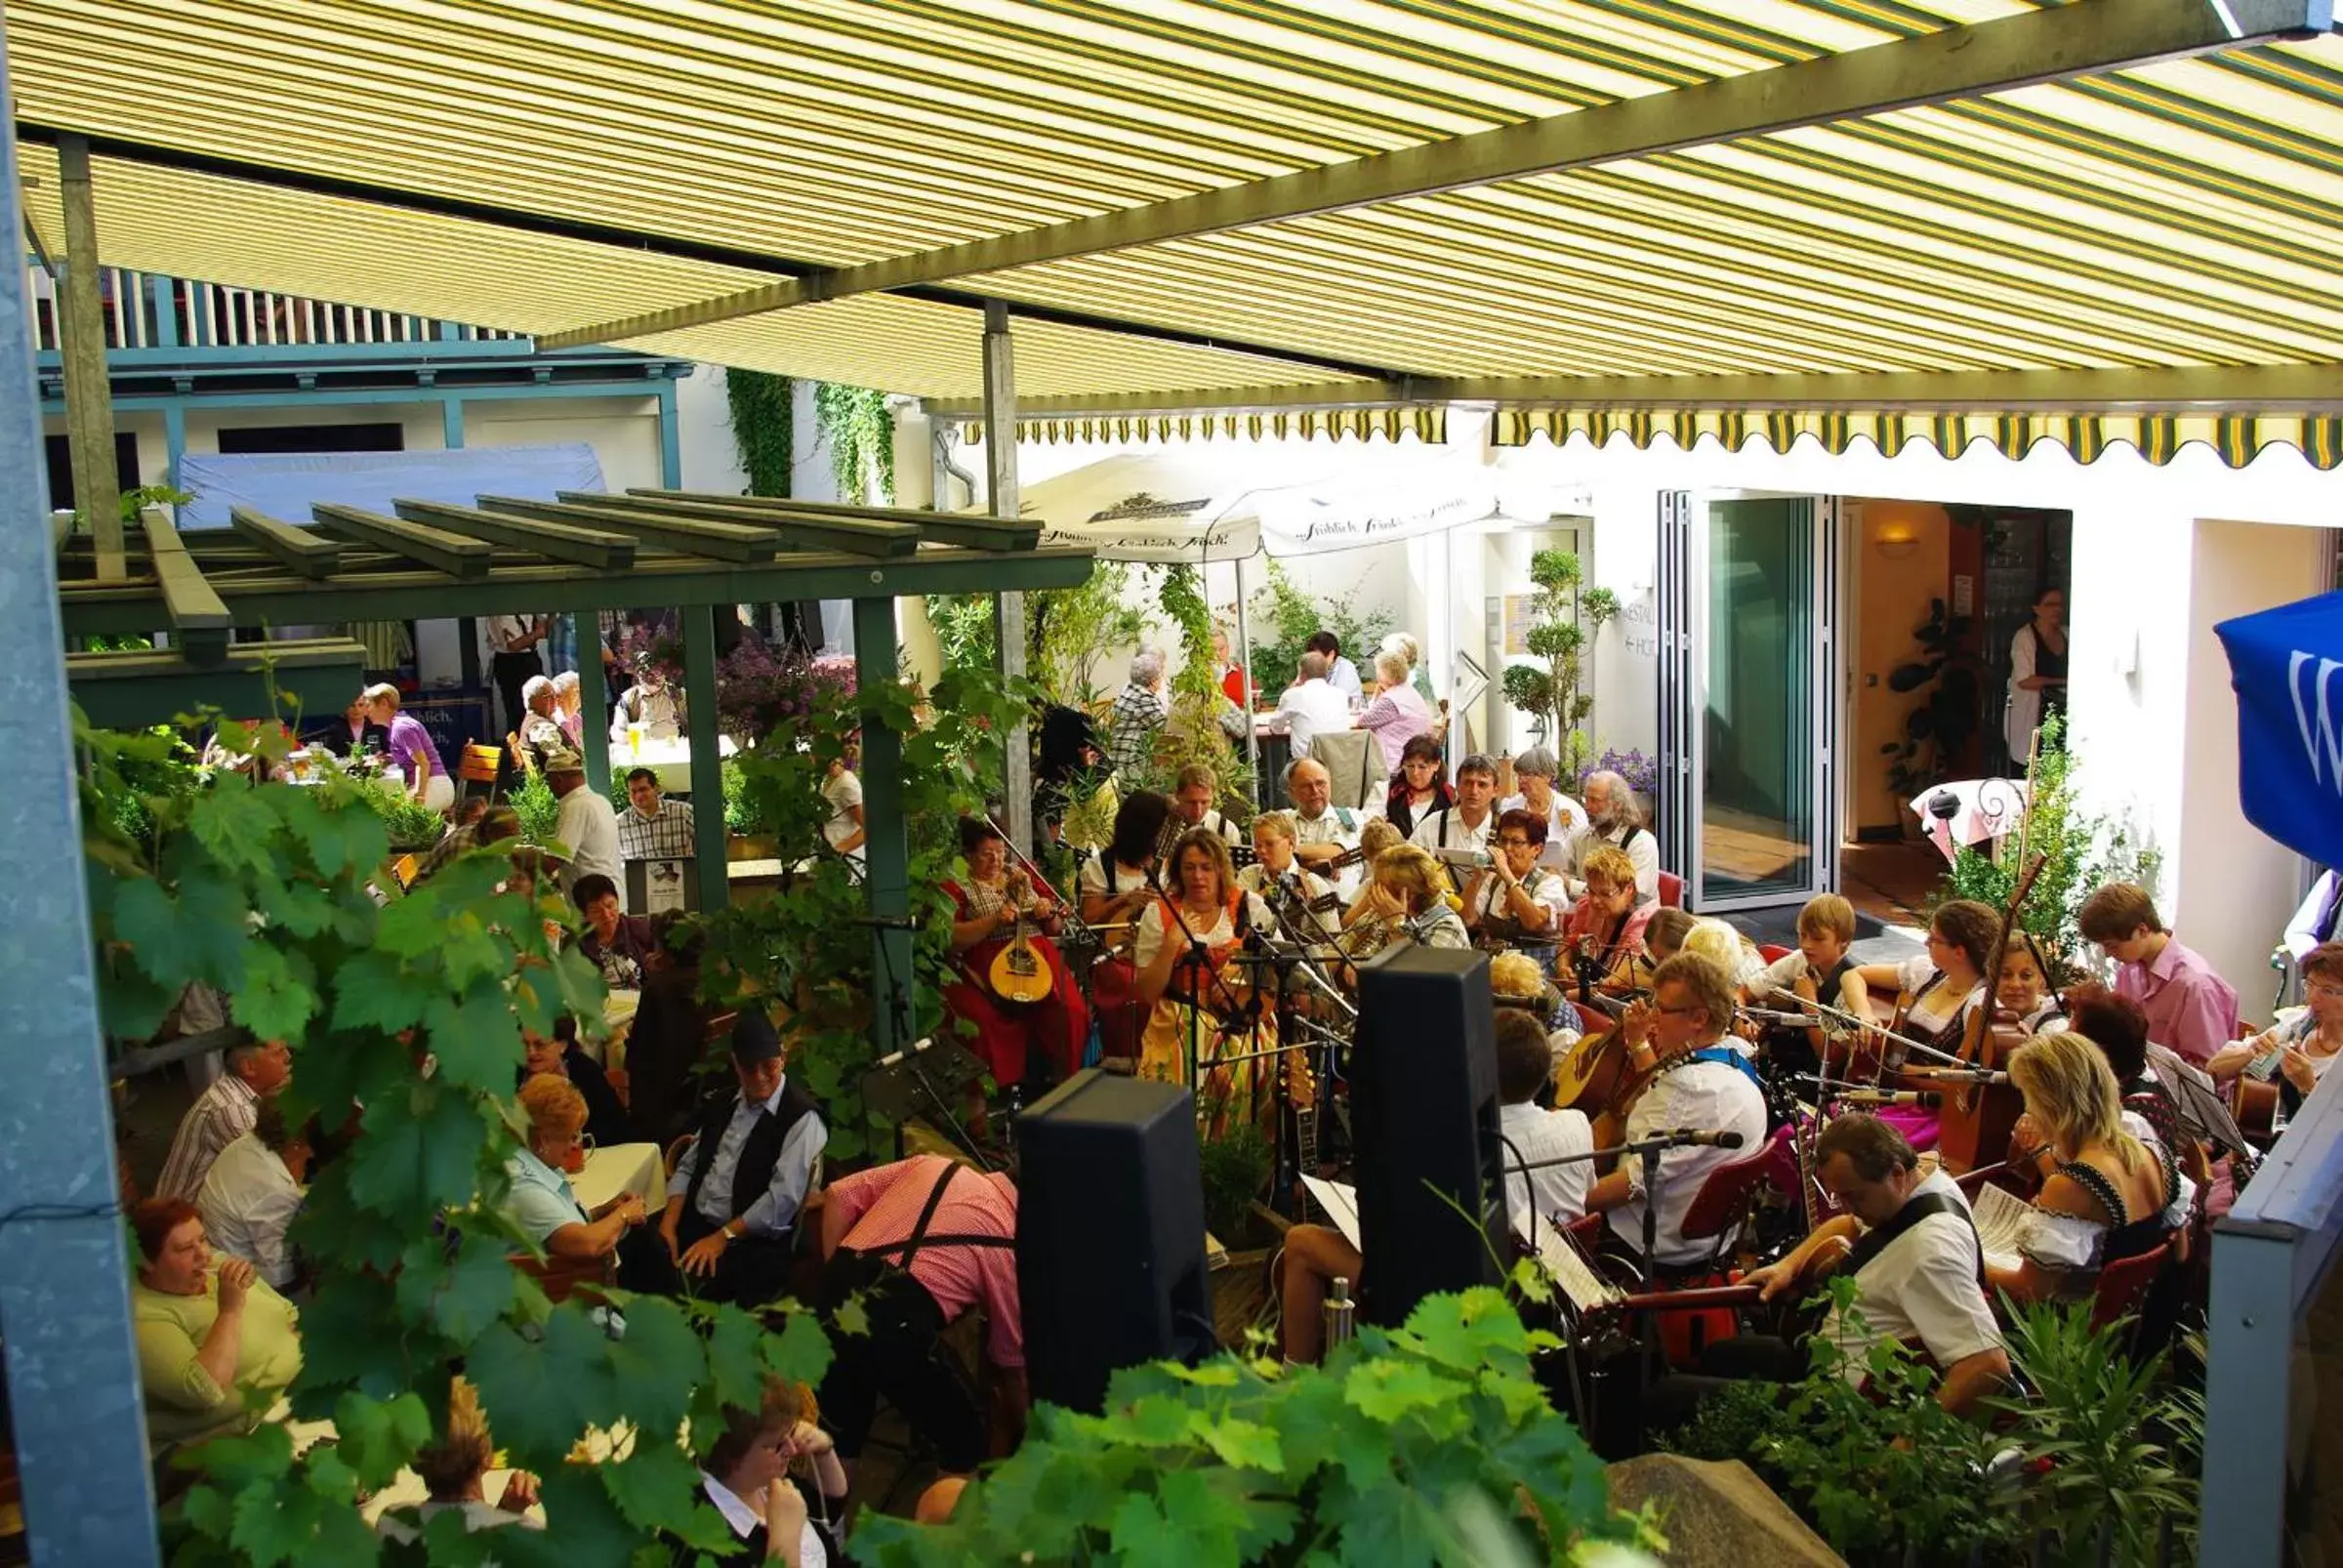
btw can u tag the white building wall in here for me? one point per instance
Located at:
(624, 432)
(710, 457)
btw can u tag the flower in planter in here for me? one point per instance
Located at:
(1635, 765)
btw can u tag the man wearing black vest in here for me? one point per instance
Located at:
(733, 1202)
(1911, 1247)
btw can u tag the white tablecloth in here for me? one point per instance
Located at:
(636, 1168)
(671, 759)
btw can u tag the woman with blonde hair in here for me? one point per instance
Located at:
(1410, 895)
(539, 1199)
(1199, 1009)
(2110, 1196)
(453, 1471)
(1602, 936)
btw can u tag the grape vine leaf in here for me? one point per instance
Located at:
(420, 1153)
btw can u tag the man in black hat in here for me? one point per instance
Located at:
(733, 1202)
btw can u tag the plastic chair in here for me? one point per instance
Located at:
(1671, 891)
(2123, 1285)
(1727, 1195)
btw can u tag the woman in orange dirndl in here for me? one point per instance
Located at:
(1210, 1003)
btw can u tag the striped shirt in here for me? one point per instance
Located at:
(665, 836)
(882, 1208)
(221, 1115)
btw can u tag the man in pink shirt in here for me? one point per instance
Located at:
(2190, 1009)
(919, 1242)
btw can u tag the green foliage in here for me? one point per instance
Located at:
(1938, 730)
(2080, 852)
(268, 892)
(134, 502)
(411, 824)
(800, 944)
(2108, 1444)
(741, 814)
(1236, 1171)
(532, 801)
(965, 634)
(1281, 617)
(154, 773)
(1431, 1443)
(1074, 628)
(1563, 613)
(1180, 595)
(861, 437)
(764, 428)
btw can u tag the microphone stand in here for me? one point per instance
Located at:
(1200, 956)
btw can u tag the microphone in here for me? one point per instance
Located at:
(1959, 1075)
(1697, 1138)
(887, 923)
(1926, 1098)
(895, 1058)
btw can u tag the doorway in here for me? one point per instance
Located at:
(1749, 598)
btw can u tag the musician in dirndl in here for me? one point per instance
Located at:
(1602, 934)
(1201, 1008)
(1116, 885)
(1513, 900)
(1020, 1041)
(1908, 1242)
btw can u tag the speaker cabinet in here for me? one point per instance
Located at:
(1423, 1106)
(1110, 1234)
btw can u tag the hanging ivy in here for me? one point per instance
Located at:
(861, 436)
(764, 429)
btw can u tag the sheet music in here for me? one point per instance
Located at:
(1575, 1277)
(2001, 1216)
(1340, 1201)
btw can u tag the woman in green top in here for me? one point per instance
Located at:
(216, 1345)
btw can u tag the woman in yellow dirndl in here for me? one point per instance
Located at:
(1210, 1003)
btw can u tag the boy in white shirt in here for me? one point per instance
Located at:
(1819, 971)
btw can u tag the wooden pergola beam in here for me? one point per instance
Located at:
(852, 531)
(602, 548)
(303, 550)
(198, 617)
(435, 547)
(733, 541)
(963, 531)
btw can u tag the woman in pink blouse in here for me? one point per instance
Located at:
(1398, 714)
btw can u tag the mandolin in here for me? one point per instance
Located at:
(1021, 971)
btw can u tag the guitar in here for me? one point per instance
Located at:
(1301, 1094)
(1021, 971)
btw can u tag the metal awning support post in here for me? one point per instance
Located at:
(1244, 650)
(1008, 609)
(80, 1430)
(887, 842)
(706, 762)
(593, 698)
(89, 398)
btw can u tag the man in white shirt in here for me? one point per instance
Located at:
(1554, 1195)
(1192, 803)
(1699, 1088)
(221, 1114)
(1310, 704)
(514, 641)
(1340, 673)
(252, 1193)
(1472, 820)
(1612, 817)
(1323, 832)
(585, 824)
(1910, 1245)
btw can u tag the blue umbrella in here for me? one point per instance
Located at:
(2286, 665)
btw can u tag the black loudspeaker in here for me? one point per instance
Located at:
(1110, 1234)
(1423, 1107)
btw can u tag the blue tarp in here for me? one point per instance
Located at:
(2286, 666)
(284, 485)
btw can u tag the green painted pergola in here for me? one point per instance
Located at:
(579, 554)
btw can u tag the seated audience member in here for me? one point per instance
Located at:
(1819, 971)
(664, 1042)
(2307, 1044)
(733, 1200)
(454, 1470)
(252, 1193)
(2108, 1197)
(1315, 1255)
(1340, 673)
(922, 1242)
(539, 1200)
(616, 942)
(1192, 803)
(570, 707)
(653, 827)
(540, 733)
(1700, 1084)
(1398, 712)
(2189, 1007)
(1305, 902)
(217, 1345)
(1515, 900)
(493, 825)
(561, 1056)
(1911, 1249)
(1535, 770)
(1310, 704)
(776, 1517)
(222, 1113)
(1419, 785)
(1409, 895)
(1471, 823)
(358, 734)
(1602, 934)
(1614, 818)
(2119, 1029)
(2024, 995)
(650, 702)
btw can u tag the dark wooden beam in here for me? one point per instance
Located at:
(602, 548)
(435, 547)
(303, 550)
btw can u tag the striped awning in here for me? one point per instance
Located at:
(1236, 204)
(2156, 437)
(1428, 425)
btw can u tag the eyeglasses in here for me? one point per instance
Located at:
(1512, 843)
(2325, 989)
(1678, 1011)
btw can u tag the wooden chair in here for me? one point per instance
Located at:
(479, 764)
(562, 1277)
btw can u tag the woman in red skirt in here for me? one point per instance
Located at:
(1028, 1042)
(1116, 885)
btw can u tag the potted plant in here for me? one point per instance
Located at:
(1562, 615)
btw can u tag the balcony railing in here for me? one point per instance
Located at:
(145, 311)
